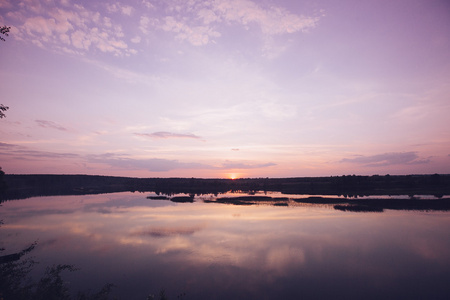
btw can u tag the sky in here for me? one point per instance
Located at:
(225, 88)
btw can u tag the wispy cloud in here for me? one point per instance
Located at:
(235, 165)
(124, 74)
(6, 145)
(164, 165)
(121, 161)
(387, 159)
(166, 135)
(24, 153)
(50, 124)
(151, 164)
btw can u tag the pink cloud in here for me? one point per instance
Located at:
(13, 151)
(202, 29)
(387, 159)
(234, 165)
(118, 7)
(273, 20)
(76, 27)
(196, 35)
(5, 4)
(151, 164)
(166, 135)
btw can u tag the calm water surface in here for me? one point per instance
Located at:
(221, 251)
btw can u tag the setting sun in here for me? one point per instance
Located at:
(233, 176)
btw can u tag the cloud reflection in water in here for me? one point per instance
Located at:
(219, 251)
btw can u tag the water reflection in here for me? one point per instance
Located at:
(209, 250)
(358, 204)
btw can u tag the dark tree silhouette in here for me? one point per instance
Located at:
(3, 185)
(2, 110)
(4, 31)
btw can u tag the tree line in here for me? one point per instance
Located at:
(24, 186)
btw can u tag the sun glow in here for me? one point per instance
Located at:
(233, 175)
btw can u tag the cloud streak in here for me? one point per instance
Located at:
(233, 165)
(9, 146)
(166, 135)
(165, 165)
(120, 161)
(388, 159)
(50, 124)
(150, 164)
(23, 153)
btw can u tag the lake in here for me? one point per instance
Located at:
(276, 248)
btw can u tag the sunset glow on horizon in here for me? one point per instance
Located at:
(233, 176)
(225, 88)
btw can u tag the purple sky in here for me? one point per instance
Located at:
(213, 88)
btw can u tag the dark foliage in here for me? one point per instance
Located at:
(3, 185)
(4, 30)
(24, 186)
(52, 286)
(2, 110)
(16, 256)
(15, 282)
